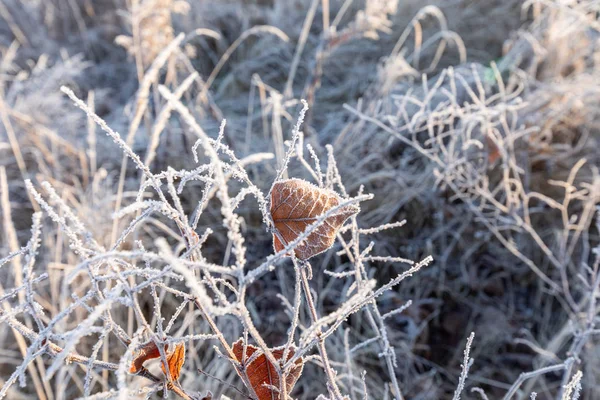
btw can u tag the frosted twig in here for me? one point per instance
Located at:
(465, 368)
(528, 375)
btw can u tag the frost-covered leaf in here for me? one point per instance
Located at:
(145, 352)
(262, 373)
(295, 205)
(176, 358)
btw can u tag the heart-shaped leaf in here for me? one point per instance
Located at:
(295, 205)
(262, 373)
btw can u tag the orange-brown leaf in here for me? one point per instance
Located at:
(493, 150)
(295, 205)
(145, 352)
(262, 373)
(175, 359)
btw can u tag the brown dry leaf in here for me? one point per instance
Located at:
(262, 372)
(295, 205)
(145, 352)
(493, 151)
(175, 359)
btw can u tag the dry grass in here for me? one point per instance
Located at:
(477, 123)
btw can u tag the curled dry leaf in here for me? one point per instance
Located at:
(176, 358)
(145, 352)
(262, 373)
(295, 205)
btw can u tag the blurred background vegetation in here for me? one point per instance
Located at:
(476, 121)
